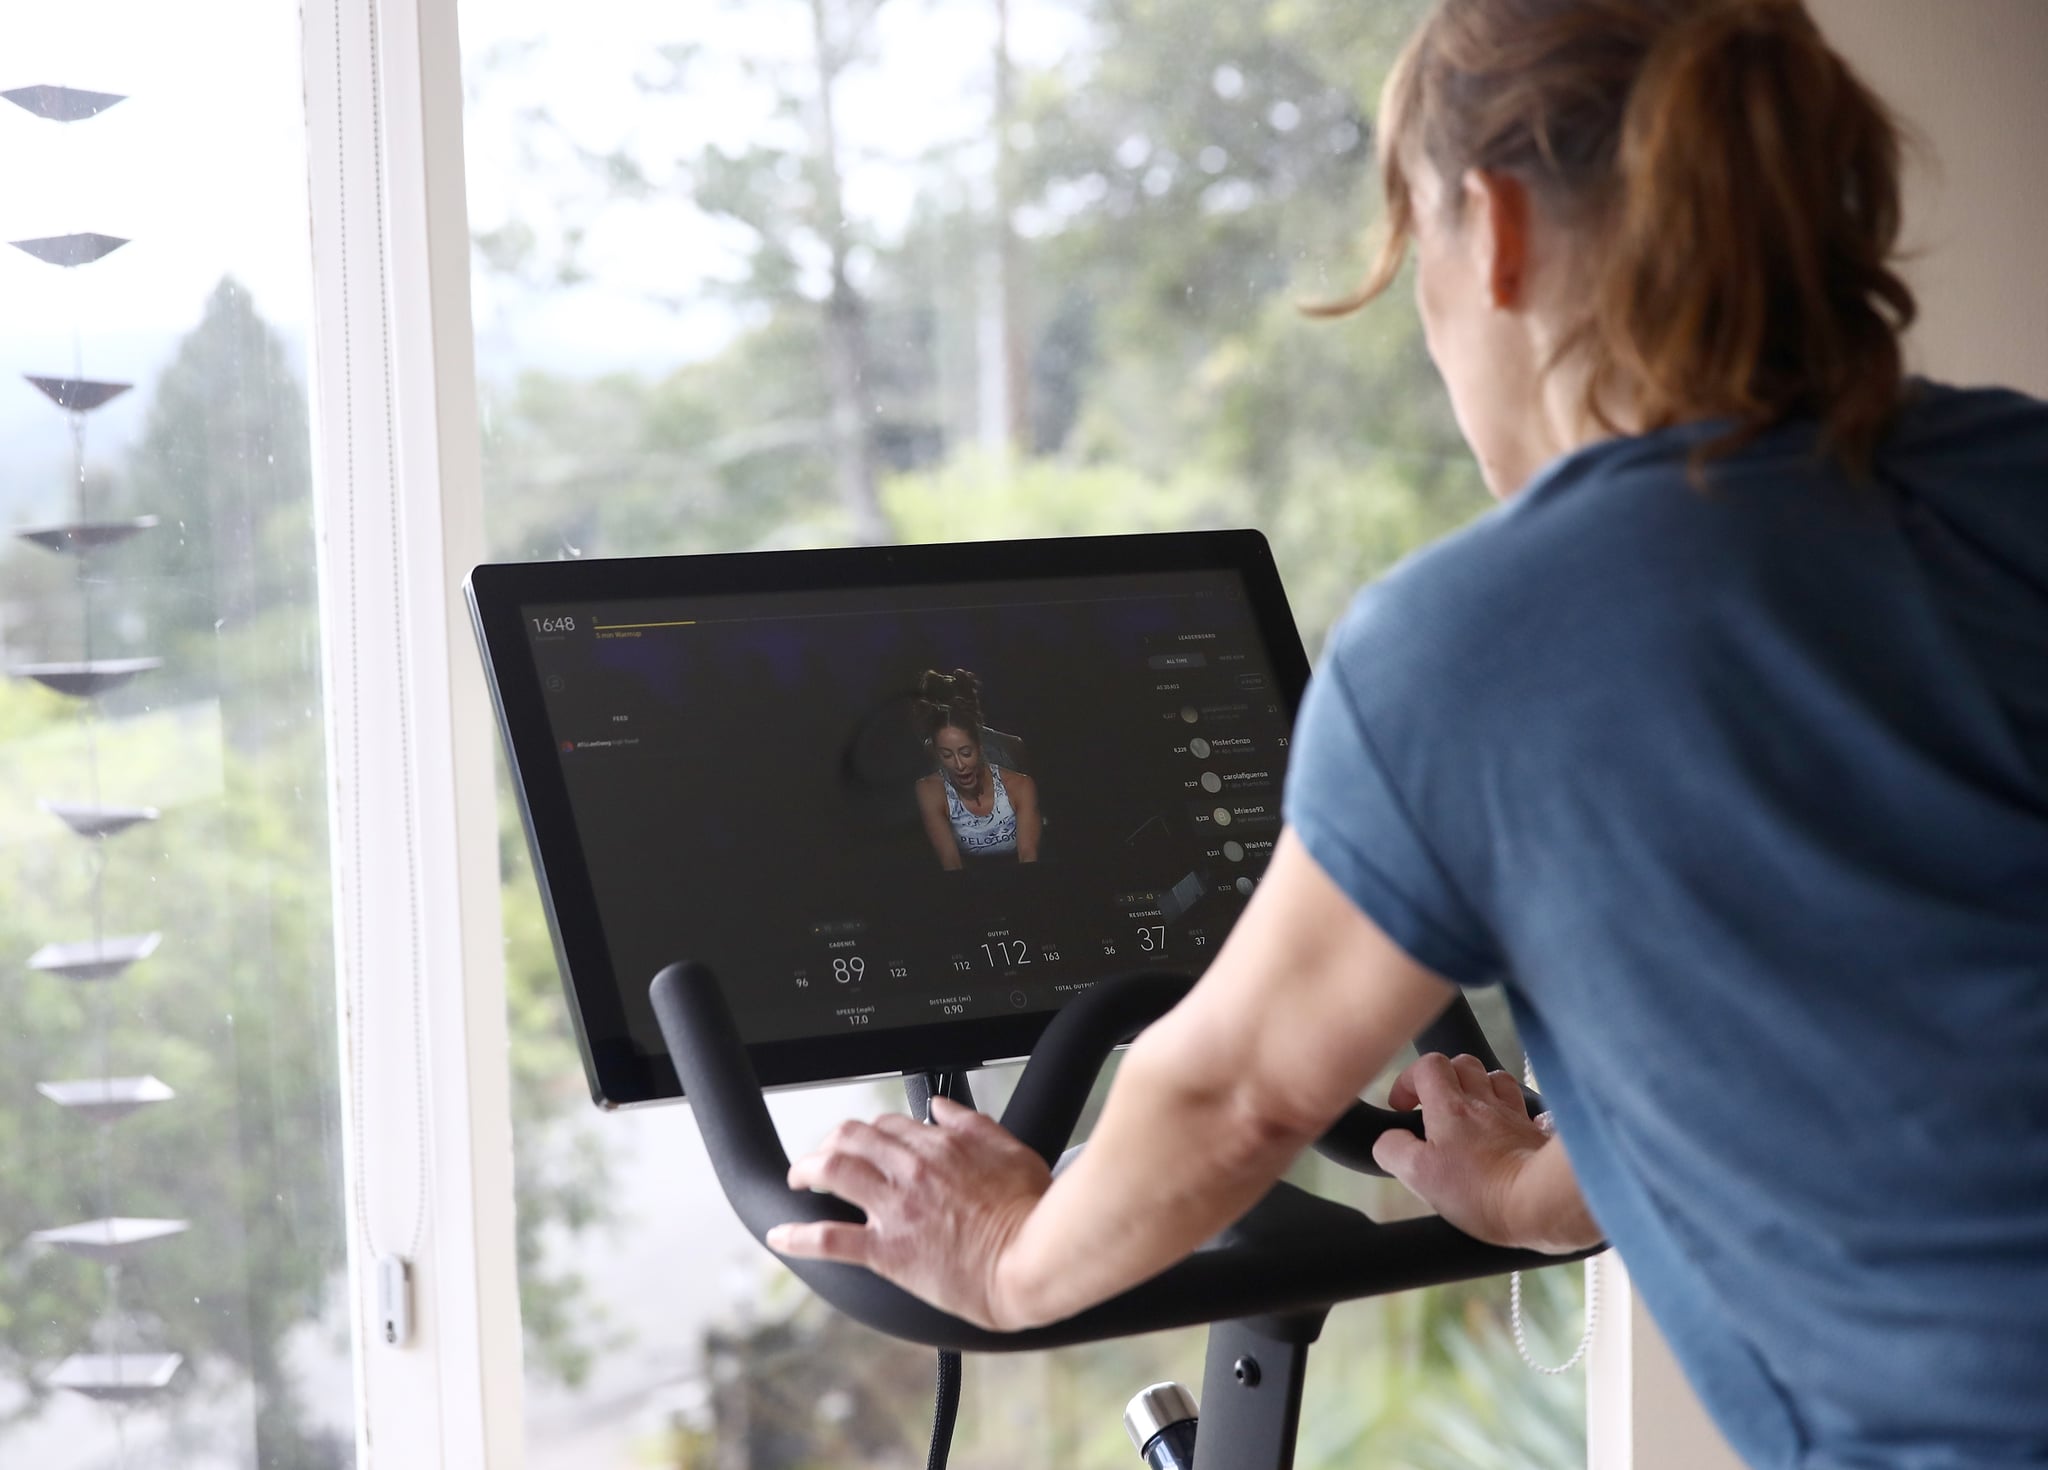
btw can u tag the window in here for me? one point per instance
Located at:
(805, 272)
(172, 1249)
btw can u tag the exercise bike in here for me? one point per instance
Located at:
(1265, 1285)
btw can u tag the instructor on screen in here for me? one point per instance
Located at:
(973, 809)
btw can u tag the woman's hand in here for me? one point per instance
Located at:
(943, 1203)
(1486, 1167)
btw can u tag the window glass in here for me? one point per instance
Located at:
(809, 272)
(172, 1262)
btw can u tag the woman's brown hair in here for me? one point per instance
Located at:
(945, 700)
(1735, 184)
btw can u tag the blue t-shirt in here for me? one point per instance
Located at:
(1743, 795)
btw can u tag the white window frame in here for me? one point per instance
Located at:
(398, 502)
(399, 514)
(1641, 1414)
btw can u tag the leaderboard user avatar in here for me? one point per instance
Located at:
(973, 808)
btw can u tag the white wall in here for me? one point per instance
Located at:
(1971, 76)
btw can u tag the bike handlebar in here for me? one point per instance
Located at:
(1293, 1251)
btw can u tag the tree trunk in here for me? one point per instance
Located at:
(1016, 357)
(846, 331)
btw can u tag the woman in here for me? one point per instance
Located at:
(972, 808)
(1722, 744)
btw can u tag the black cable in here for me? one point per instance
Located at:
(945, 1410)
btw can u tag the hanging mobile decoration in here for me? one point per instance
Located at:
(112, 1370)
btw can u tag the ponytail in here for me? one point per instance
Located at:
(1747, 264)
(1735, 185)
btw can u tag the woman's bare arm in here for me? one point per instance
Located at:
(1305, 1004)
(931, 805)
(1024, 800)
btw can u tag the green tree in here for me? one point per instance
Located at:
(225, 581)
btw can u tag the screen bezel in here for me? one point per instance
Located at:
(619, 1074)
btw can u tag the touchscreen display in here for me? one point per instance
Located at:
(891, 807)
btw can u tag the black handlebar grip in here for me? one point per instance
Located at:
(1349, 1140)
(746, 1152)
(1054, 1088)
(1329, 1254)
(1456, 1032)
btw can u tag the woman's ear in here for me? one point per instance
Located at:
(1497, 206)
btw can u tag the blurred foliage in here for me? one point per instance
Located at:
(1184, 184)
(1428, 1380)
(561, 1170)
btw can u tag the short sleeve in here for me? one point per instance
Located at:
(1348, 811)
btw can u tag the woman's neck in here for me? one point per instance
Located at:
(1566, 419)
